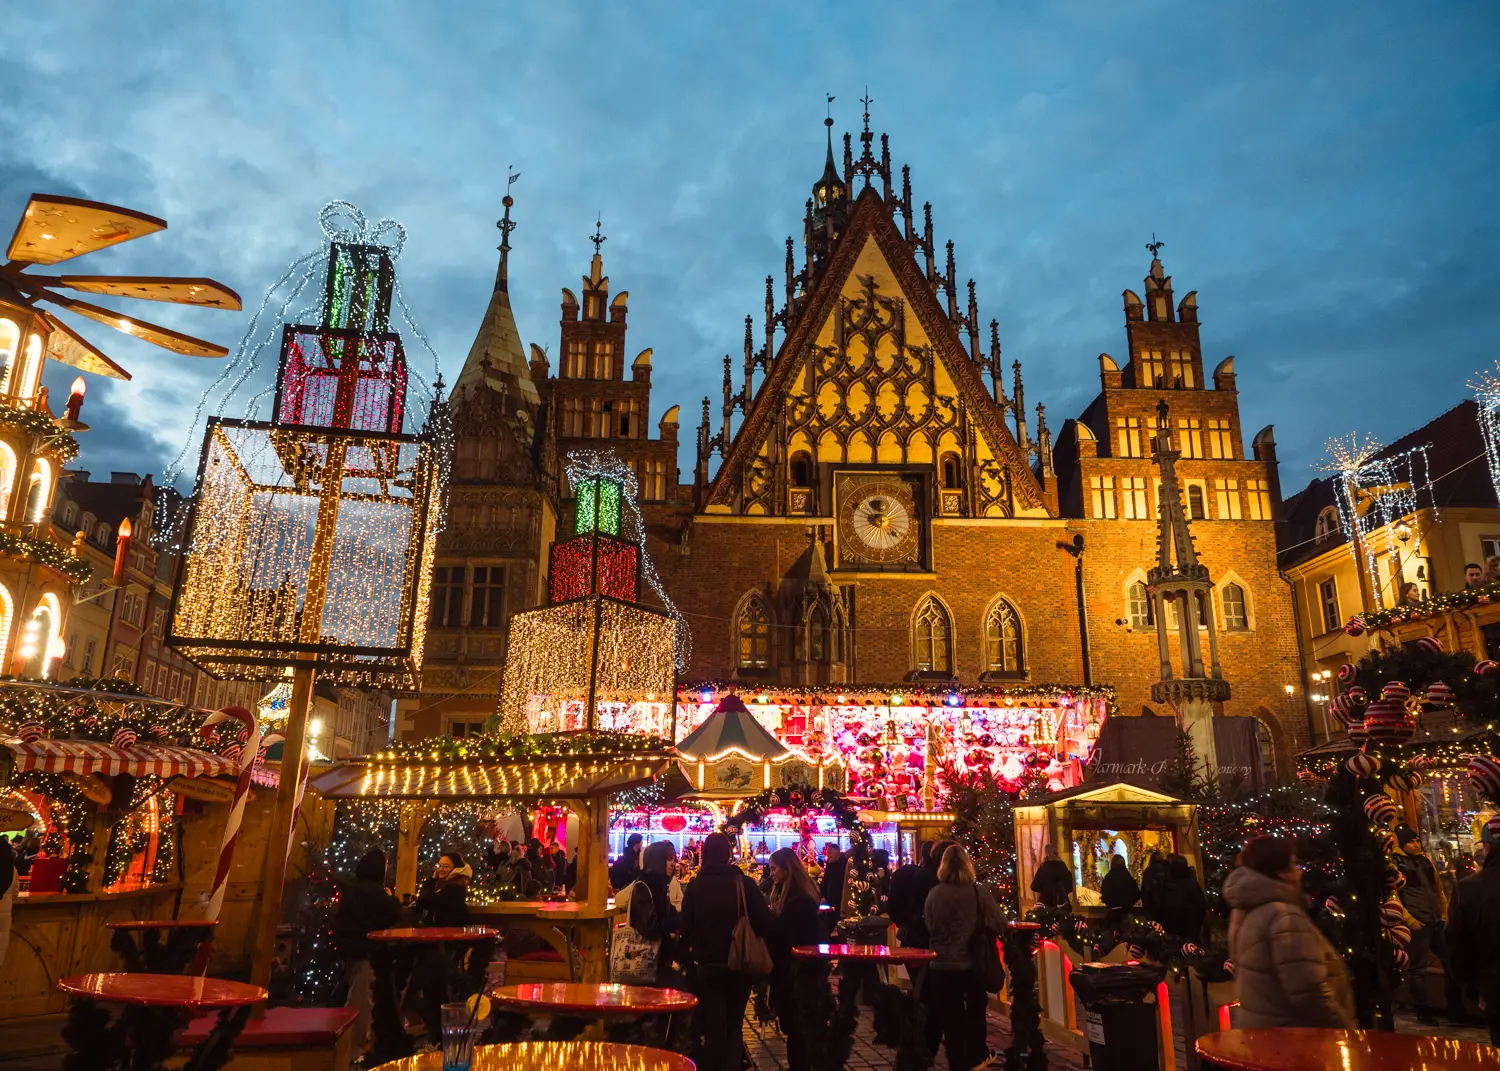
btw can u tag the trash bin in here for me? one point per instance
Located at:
(1119, 1001)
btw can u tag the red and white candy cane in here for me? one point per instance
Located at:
(248, 753)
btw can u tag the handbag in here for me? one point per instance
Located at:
(633, 957)
(984, 951)
(748, 952)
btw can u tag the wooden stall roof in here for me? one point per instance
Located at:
(93, 757)
(1103, 792)
(569, 777)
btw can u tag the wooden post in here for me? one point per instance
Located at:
(294, 749)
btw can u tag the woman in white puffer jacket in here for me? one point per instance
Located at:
(1285, 971)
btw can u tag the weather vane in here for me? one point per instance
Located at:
(830, 105)
(598, 239)
(867, 100)
(1154, 246)
(506, 224)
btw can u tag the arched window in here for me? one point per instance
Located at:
(7, 478)
(1267, 750)
(1232, 598)
(932, 638)
(1327, 525)
(950, 472)
(817, 635)
(1004, 647)
(103, 534)
(39, 639)
(69, 514)
(10, 342)
(1138, 601)
(1195, 503)
(38, 491)
(801, 469)
(753, 635)
(31, 377)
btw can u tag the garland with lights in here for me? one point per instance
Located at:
(96, 709)
(129, 836)
(1436, 606)
(526, 747)
(68, 826)
(800, 801)
(45, 553)
(38, 423)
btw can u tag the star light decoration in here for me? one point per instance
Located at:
(1486, 388)
(1388, 488)
(310, 538)
(596, 658)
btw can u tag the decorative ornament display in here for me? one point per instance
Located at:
(31, 731)
(1387, 841)
(1383, 719)
(1405, 781)
(158, 732)
(1484, 775)
(1381, 810)
(1354, 626)
(1362, 765)
(1190, 949)
(1400, 935)
(1486, 667)
(1357, 731)
(1430, 644)
(1346, 673)
(1339, 708)
(1439, 694)
(1391, 912)
(1395, 692)
(1394, 879)
(233, 751)
(1401, 958)
(1358, 697)
(124, 738)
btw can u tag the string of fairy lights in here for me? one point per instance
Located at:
(1374, 490)
(1486, 388)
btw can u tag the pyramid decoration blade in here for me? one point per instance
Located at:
(71, 348)
(182, 291)
(164, 337)
(54, 228)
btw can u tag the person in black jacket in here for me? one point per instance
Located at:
(1153, 880)
(831, 885)
(443, 901)
(710, 910)
(1119, 891)
(1474, 929)
(365, 905)
(794, 984)
(1423, 898)
(665, 921)
(627, 868)
(1053, 881)
(1180, 904)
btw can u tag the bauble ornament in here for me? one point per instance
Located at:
(1381, 810)
(1358, 697)
(1399, 934)
(1355, 627)
(124, 738)
(1346, 673)
(1484, 775)
(31, 731)
(1391, 912)
(1362, 765)
(1430, 644)
(1401, 958)
(1395, 691)
(1485, 668)
(1406, 781)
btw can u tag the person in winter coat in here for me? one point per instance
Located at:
(1180, 902)
(1285, 971)
(1153, 878)
(1119, 891)
(831, 885)
(910, 885)
(627, 868)
(1053, 881)
(955, 907)
(1474, 930)
(710, 910)
(365, 905)
(794, 984)
(1427, 907)
(657, 863)
(443, 901)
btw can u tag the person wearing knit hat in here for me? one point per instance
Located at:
(1474, 929)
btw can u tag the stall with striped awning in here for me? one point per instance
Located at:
(92, 757)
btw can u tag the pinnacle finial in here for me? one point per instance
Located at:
(506, 225)
(598, 236)
(868, 100)
(1155, 247)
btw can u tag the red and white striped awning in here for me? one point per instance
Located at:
(92, 757)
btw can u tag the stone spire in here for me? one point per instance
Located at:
(497, 360)
(1180, 579)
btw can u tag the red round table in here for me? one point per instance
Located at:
(166, 945)
(388, 1038)
(572, 1006)
(554, 1056)
(154, 1009)
(859, 968)
(883, 954)
(1307, 1049)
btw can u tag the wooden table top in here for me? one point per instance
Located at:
(865, 953)
(593, 1000)
(162, 990)
(417, 935)
(554, 1056)
(1307, 1049)
(162, 924)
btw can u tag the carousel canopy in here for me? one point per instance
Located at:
(92, 757)
(731, 727)
(573, 777)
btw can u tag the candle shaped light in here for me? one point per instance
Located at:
(122, 552)
(75, 400)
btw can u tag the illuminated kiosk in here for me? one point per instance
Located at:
(1092, 822)
(310, 539)
(580, 771)
(595, 658)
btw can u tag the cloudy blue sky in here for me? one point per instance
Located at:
(1324, 175)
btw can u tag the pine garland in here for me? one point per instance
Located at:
(45, 552)
(39, 423)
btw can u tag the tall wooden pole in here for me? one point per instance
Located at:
(294, 750)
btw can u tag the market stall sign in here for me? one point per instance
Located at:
(14, 819)
(203, 788)
(94, 788)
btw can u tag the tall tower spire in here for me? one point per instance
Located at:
(506, 225)
(1179, 579)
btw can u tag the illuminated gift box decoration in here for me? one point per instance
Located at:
(310, 539)
(595, 658)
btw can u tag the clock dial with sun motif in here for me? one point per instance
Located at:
(878, 520)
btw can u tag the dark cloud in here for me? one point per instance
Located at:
(1322, 176)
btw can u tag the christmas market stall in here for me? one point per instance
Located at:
(579, 771)
(126, 799)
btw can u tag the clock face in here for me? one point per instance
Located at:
(877, 519)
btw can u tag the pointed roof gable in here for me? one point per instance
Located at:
(871, 221)
(497, 359)
(731, 725)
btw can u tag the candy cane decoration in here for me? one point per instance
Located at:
(248, 754)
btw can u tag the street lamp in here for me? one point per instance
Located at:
(1320, 694)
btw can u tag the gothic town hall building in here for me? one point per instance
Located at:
(870, 504)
